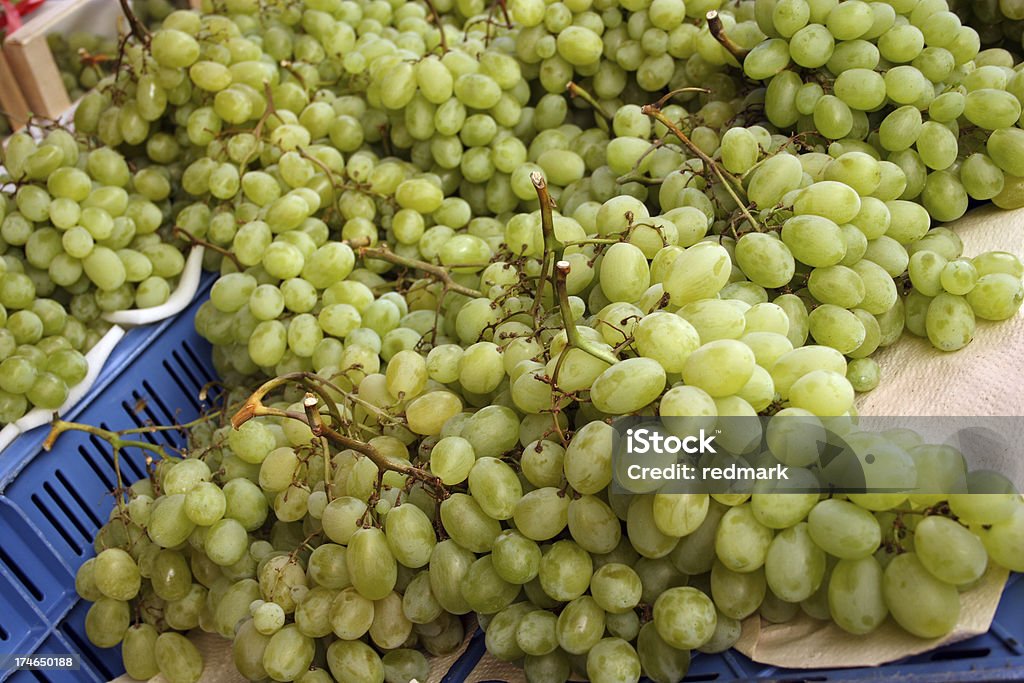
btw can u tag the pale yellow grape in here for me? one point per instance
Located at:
(720, 368)
(855, 595)
(628, 386)
(794, 566)
(666, 338)
(587, 460)
(698, 273)
(919, 602)
(794, 364)
(428, 413)
(742, 542)
(822, 392)
(843, 529)
(625, 273)
(950, 322)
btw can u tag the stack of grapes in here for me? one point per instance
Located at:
(474, 239)
(81, 234)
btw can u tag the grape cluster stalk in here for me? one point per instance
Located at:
(454, 241)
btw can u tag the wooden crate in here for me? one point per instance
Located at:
(30, 57)
(12, 102)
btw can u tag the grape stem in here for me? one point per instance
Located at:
(547, 226)
(572, 333)
(138, 29)
(309, 403)
(436, 18)
(182, 232)
(577, 91)
(727, 179)
(115, 439)
(718, 32)
(672, 93)
(439, 272)
(254, 407)
(634, 174)
(257, 131)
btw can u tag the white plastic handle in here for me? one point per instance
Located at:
(178, 301)
(96, 358)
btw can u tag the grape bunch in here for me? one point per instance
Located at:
(81, 235)
(460, 242)
(340, 558)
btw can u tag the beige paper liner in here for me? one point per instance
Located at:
(985, 378)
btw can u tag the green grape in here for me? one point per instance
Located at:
(995, 296)
(452, 459)
(484, 590)
(371, 566)
(1002, 539)
(467, 523)
(628, 386)
(794, 565)
(919, 602)
(107, 622)
(814, 240)
(765, 260)
(843, 529)
(177, 658)
(863, 374)
(404, 665)
(351, 614)
(661, 661)
(991, 109)
(139, 651)
(580, 625)
(684, 617)
(353, 660)
(698, 273)
(949, 551)
(541, 514)
(410, 535)
(742, 542)
(616, 588)
(495, 485)
(720, 368)
(612, 660)
(116, 575)
(950, 322)
(536, 633)
(855, 595)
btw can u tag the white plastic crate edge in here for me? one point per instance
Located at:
(97, 356)
(96, 359)
(178, 301)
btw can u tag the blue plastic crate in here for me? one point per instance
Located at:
(52, 504)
